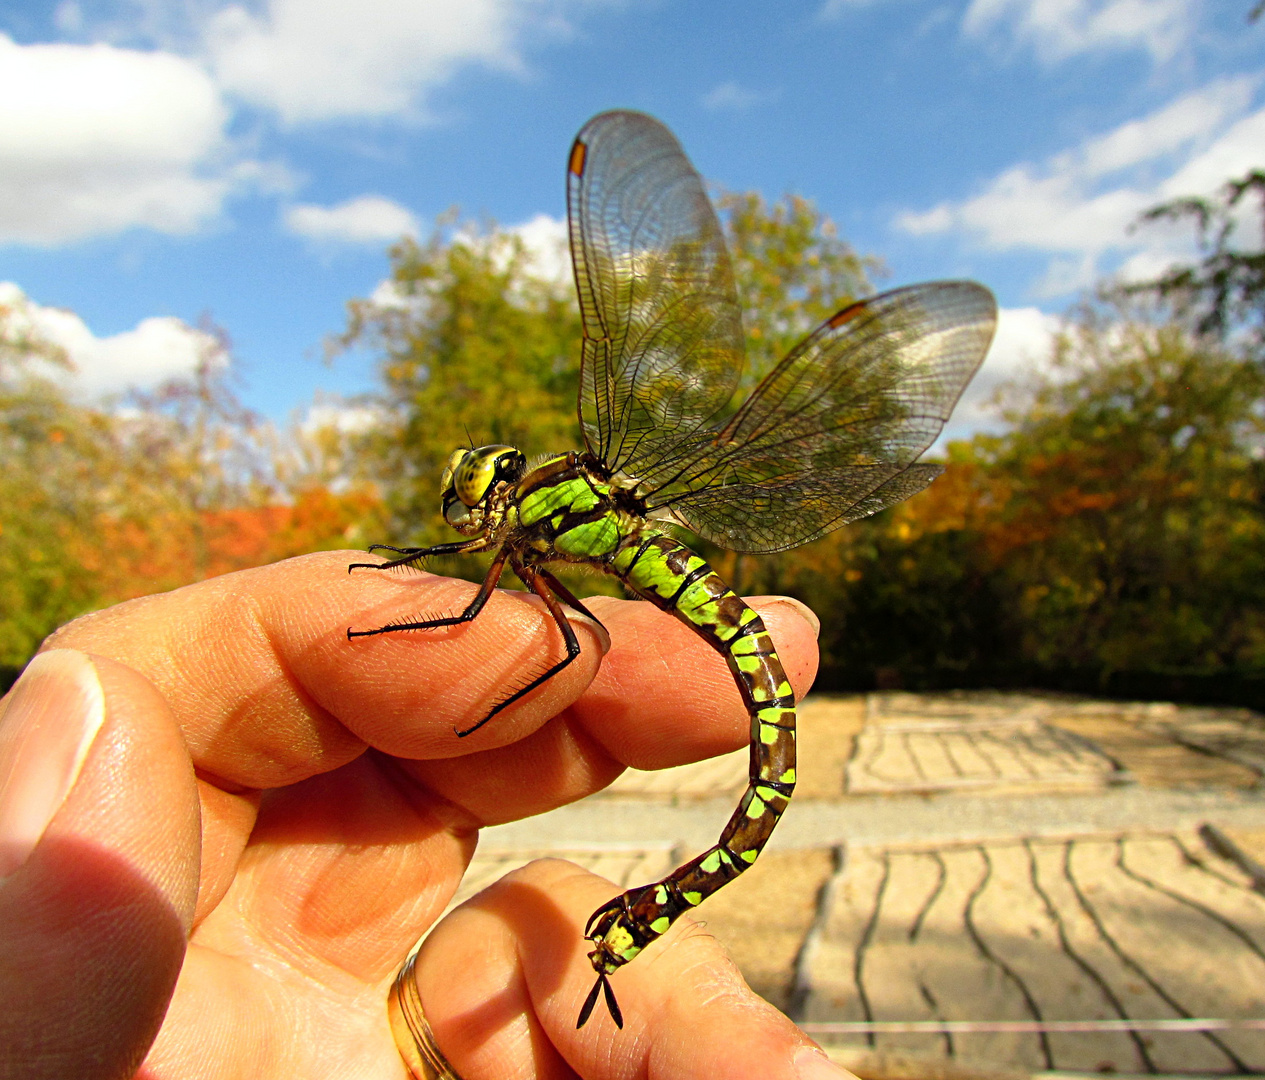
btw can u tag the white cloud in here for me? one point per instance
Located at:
(1059, 29)
(156, 350)
(314, 60)
(369, 219)
(1079, 205)
(730, 96)
(545, 239)
(330, 414)
(96, 139)
(388, 296)
(1023, 343)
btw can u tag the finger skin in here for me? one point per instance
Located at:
(502, 979)
(342, 873)
(99, 911)
(258, 671)
(661, 698)
(357, 852)
(268, 689)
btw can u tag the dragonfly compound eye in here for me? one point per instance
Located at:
(454, 460)
(476, 472)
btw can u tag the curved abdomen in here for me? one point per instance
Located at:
(673, 577)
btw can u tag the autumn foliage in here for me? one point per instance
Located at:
(1115, 528)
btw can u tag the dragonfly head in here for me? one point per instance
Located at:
(472, 476)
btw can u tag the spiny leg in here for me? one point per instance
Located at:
(568, 597)
(536, 581)
(472, 609)
(413, 555)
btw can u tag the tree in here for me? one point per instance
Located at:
(477, 349)
(1224, 292)
(1128, 491)
(204, 486)
(792, 272)
(102, 501)
(1118, 526)
(57, 458)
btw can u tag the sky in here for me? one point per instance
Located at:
(165, 165)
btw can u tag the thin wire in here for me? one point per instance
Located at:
(940, 1027)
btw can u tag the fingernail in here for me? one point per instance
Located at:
(50, 719)
(805, 612)
(812, 1064)
(599, 631)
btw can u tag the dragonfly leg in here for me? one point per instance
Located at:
(539, 583)
(568, 597)
(415, 555)
(472, 609)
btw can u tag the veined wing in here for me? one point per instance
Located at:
(834, 432)
(663, 346)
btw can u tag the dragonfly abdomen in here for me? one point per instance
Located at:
(674, 578)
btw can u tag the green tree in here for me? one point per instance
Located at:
(478, 348)
(1130, 528)
(101, 501)
(792, 271)
(1117, 527)
(906, 600)
(56, 456)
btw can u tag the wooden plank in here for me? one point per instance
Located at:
(835, 993)
(891, 965)
(1220, 957)
(1100, 985)
(1155, 945)
(1019, 927)
(964, 749)
(965, 982)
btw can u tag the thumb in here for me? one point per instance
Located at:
(99, 855)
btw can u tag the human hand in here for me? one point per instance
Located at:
(265, 817)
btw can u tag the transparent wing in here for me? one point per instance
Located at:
(834, 432)
(663, 345)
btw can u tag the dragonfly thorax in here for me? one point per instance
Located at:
(472, 476)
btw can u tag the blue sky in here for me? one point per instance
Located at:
(162, 162)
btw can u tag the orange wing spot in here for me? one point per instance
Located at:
(847, 314)
(578, 153)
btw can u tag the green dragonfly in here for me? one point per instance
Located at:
(831, 434)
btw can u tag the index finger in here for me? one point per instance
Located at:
(260, 675)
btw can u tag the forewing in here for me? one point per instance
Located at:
(834, 431)
(663, 345)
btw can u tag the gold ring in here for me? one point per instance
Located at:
(413, 1036)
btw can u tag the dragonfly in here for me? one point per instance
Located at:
(832, 434)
